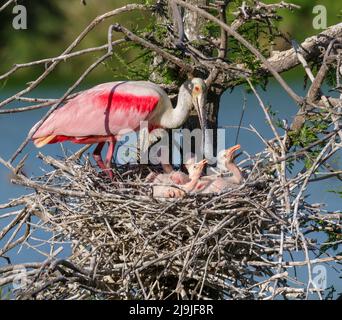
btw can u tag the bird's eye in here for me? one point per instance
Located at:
(197, 89)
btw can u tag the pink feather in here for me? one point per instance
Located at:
(102, 111)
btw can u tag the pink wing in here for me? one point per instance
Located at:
(107, 109)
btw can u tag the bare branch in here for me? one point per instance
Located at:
(310, 49)
(243, 41)
(149, 45)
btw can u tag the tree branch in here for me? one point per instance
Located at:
(244, 42)
(310, 49)
(131, 36)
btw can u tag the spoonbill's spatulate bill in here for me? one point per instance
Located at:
(107, 111)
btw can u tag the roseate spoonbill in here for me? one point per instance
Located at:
(213, 184)
(106, 111)
(171, 176)
(195, 172)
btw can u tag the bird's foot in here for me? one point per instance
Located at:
(110, 174)
(109, 171)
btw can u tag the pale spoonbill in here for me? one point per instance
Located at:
(215, 184)
(195, 171)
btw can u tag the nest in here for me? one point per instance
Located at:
(126, 244)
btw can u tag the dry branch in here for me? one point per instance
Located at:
(310, 49)
(202, 244)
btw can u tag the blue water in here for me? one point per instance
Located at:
(14, 128)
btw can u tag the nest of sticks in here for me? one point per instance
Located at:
(126, 244)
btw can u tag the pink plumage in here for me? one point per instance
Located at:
(107, 111)
(97, 113)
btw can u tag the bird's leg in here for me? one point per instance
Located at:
(109, 156)
(97, 156)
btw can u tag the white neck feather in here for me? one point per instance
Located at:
(175, 117)
(234, 169)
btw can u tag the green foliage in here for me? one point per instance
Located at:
(154, 31)
(53, 25)
(259, 36)
(141, 66)
(331, 78)
(211, 29)
(308, 134)
(169, 75)
(135, 69)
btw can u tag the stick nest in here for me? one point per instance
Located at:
(125, 244)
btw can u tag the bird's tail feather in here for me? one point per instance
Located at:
(40, 142)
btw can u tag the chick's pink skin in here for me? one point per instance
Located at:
(214, 184)
(232, 167)
(195, 172)
(178, 177)
(194, 182)
(170, 176)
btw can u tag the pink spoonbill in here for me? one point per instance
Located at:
(214, 183)
(100, 114)
(171, 176)
(195, 170)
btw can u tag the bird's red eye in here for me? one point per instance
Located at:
(197, 89)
